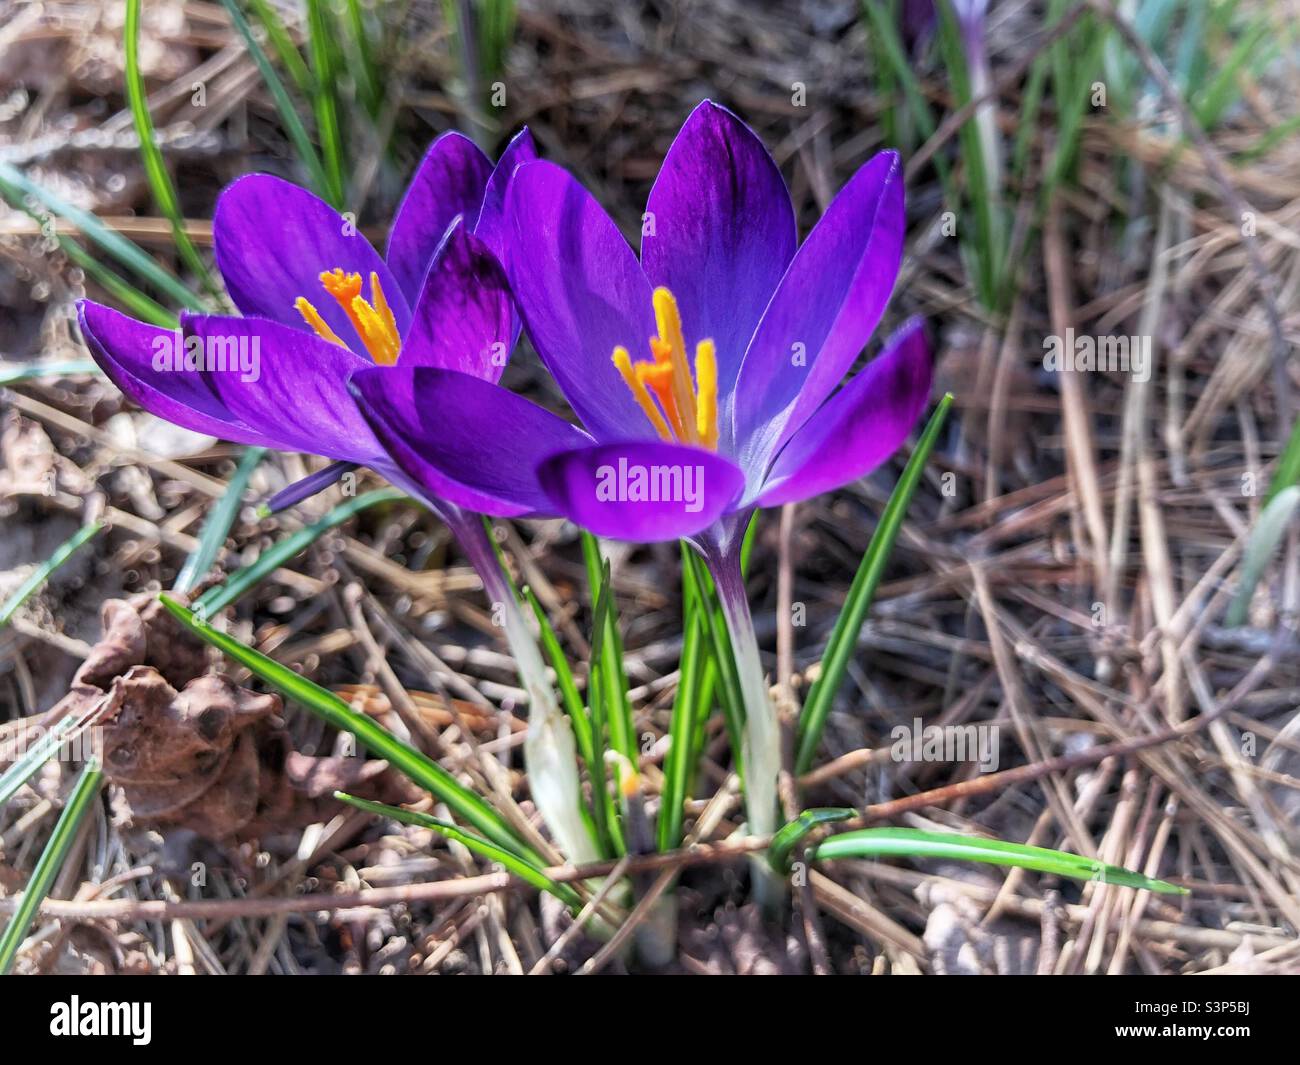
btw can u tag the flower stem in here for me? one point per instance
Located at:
(762, 736)
(550, 754)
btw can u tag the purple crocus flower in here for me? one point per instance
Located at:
(319, 304)
(665, 452)
(971, 16)
(917, 20)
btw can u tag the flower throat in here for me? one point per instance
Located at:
(679, 408)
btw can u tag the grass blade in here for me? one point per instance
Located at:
(217, 527)
(573, 708)
(126, 294)
(37, 754)
(1288, 465)
(49, 863)
(679, 763)
(369, 84)
(890, 48)
(914, 843)
(608, 824)
(1026, 129)
(1075, 59)
(42, 572)
(160, 182)
(564, 679)
(979, 154)
(1278, 134)
(894, 129)
(844, 637)
(622, 734)
(526, 871)
(285, 49)
(496, 31)
(464, 803)
(293, 126)
(1256, 46)
(793, 832)
(324, 102)
(1264, 537)
(21, 191)
(242, 581)
(35, 371)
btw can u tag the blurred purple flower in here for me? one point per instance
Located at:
(917, 19)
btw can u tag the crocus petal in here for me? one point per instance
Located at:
(859, 427)
(465, 319)
(463, 439)
(916, 19)
(147, 364)
(825, 310)
(273, 240)
(970, 16)
(491, 228)
(448, 182)
(720, 234)
(293, 389)
(305, 487)
(581, 292)
(642, 490)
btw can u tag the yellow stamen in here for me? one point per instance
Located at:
(374, 331)
(658, 375)
(706, 399)
(381, 305)
(634, 381)
(373, 320)
(686, 410)
(312, 317)
(669, 322)
(344, 288)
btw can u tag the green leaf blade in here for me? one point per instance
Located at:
(244, 580)
(915, 843)
(425, 772)
(42, 572)
(293, 126)
(844, 636)
(525, 870)
(22, 192)
(50, 862)
(160, 182)
(218, 525)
